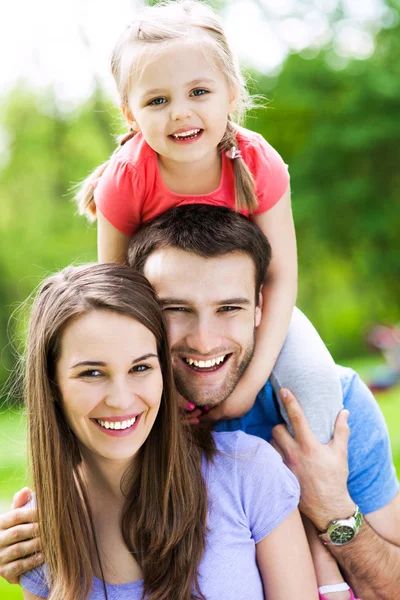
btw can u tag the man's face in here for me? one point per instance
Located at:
(211, 313)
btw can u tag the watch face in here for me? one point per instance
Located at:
(341, 534)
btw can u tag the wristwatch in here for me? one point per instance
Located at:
(342, 531)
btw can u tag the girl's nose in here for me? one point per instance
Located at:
(180, 112)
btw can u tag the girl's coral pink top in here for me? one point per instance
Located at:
(131, 191)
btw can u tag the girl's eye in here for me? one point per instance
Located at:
(157, 102)
(199, 92)
(141, 368)
(91, 373)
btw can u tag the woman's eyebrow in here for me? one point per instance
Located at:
(100, 363)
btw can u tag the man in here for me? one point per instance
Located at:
(207, 265)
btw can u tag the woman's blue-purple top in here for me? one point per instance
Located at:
(250, 492)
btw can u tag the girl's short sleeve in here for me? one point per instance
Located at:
(118, 196)
(269, 491)
(270, 173)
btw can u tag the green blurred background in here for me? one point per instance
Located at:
(334, 115)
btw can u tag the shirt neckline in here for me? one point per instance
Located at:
(166, 190)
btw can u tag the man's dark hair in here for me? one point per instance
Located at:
(208, 231)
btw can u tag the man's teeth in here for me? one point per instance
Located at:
(186, 134)
(205, 364)
(117, 424)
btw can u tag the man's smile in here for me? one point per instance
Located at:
(209, 364)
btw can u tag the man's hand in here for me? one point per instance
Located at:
(322, 470)
(19, 539)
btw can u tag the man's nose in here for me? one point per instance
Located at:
(120, 394)
(204, 336)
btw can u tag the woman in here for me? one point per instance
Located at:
(131, 504)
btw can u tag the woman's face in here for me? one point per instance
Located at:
(110, 381)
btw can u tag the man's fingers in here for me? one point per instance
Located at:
(342, 430)
(21, 550)
(14, 570)
(21, 498)
(18, 516)
(19, 533)
(282, 438)
(296, 416)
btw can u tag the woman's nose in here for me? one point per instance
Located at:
(119, 395)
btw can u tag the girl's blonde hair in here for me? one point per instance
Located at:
(157, 26)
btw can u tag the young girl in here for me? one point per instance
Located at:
(180, 89)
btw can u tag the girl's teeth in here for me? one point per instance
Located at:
(117, 424)
(186, 134)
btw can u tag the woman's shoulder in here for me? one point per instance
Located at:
(231, 442)
(244, 453)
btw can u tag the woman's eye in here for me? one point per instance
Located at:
(175, 309)
(140, 368)
(199, 92)
(94, 373)
(157, 102)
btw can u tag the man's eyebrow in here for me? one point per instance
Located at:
(188, 84)
(100, 363)
(244, 301)
(239, 300)
(176, 301)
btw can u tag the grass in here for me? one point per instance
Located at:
(13, 455)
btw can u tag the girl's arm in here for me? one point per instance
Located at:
(279, 297)
(285, 564)
(325, 565)
(112, 245)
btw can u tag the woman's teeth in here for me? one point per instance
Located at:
(117, 424)
(186, 134)
(205, 364)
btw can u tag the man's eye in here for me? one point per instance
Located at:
(91, 373)
(157, 102)
(199, 92)
(229, 308)
(175, 309)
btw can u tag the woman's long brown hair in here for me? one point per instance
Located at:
(164, 517)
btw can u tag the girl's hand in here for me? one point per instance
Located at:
(235, 406)
(190, 414)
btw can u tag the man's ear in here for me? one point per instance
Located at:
(259, 307)
(129, 118)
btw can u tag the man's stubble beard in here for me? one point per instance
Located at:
(233, 377)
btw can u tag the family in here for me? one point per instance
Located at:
(190, 436)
